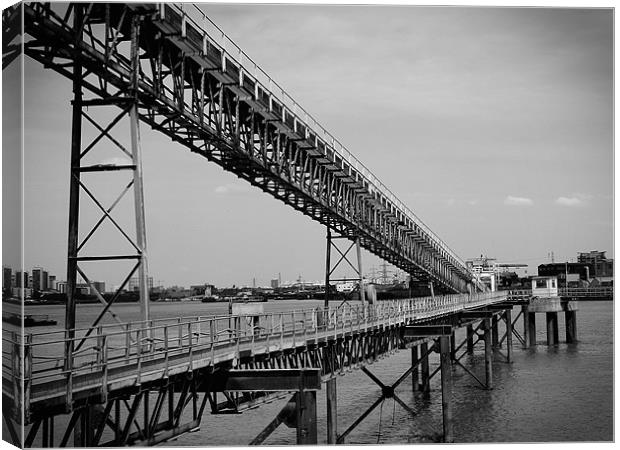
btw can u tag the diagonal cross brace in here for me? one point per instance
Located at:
(386, 392)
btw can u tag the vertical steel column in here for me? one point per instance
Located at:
(470, 339)
(74, 198)
(494, 332)
(425, 369)
(415, 376)
(446, 388)
(359, 268)
(89, 429)
(332, 411)
(78, 429)
(138, 186)
(327, 267)
(531, 322)
(508, 317)
(571, 326)
(488, 354)
(306, 418)
(552, 328)
(526, 326)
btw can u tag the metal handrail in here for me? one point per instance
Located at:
(220, 335)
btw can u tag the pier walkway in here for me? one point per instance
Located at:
(251, 356)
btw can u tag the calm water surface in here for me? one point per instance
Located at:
(563, 393)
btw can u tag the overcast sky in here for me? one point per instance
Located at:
(494, 125)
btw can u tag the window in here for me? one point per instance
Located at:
(553, 283)
(541, 284)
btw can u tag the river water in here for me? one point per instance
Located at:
(547, 394)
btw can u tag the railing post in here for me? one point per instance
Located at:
(281, 332)
(104, 369)
(16, 371)
(316, 328)
(69, 369)
(99, 346)
(127, 340)
(166, 350)
(139, 354)
(304, 325)
(212, 336)
(27, 374)
(180, 332)
(191, 348)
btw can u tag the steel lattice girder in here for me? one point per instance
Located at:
(194, 105)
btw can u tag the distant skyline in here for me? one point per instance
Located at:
(494, 125)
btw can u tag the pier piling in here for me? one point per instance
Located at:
(332, 411)
(452, 346)
(415, 373)
(470, 339)
(488, 354)
(494, 332)
(306, 418)
(552, 328)
(531, 328)
(570, 318)
(446, 388)
(425, 369)
(526, 326)
(508, 318)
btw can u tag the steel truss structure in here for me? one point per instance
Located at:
(330, 268)
(191, 89)
(154, 64)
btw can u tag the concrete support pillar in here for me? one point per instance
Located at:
(425, 369)
(526, 326)
(306, 418)
(571, 326)
(531, 325)
(446, 388)
(552, 328)
(332, 411)
(508, 317)
(488, 354)
(415, 373)
(494, 332)
(470, 339)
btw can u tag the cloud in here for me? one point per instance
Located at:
(576, 200)
(231, 188)
(518, 201)
(473, 202)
